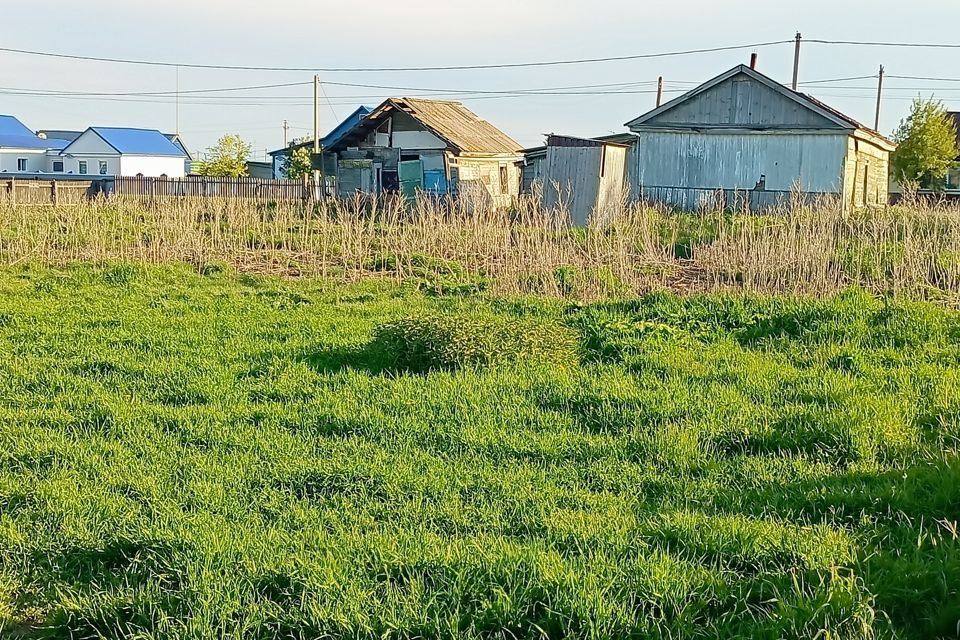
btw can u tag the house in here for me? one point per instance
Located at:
(279, 157)
(757, 141)
(435, 146)
(22, 151)
(114, 151)
(262, 170)
(71, 135)
(585, 176)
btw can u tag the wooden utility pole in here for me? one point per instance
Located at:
(796, 63)
(316, 130)
(876, 121)
(753, 61)
(659, 90)
(286, 131)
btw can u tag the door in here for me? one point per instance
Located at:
(411, 178)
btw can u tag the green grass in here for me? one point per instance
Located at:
(211, 455)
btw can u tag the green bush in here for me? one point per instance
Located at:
(454, 341)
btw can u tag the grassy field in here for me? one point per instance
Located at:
(193, 455)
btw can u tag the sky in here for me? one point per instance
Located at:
(407, 33)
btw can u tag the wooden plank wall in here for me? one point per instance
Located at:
(46, 192)
(213, 187)
(571, 177)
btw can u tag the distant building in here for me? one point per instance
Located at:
(24, 152)
(263, 170)
(434, 146)
(756, 141)
(71, 135)
(278, 158)
(584, 176)
(112, 151)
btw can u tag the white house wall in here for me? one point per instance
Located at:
(417, 140)
(36, 160)
(696, 160)
(151, 166)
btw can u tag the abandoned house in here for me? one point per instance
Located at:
(435, 146)
(754, 142)
(583, 176)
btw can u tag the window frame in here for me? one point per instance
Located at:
(82, 167)
(54, 166)
(23, 164)
(104, 167)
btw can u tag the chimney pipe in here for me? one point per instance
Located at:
(753, 61)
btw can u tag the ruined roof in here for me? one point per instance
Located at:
(454, 123)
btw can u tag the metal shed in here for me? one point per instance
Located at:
(585, 176)
(744, 140)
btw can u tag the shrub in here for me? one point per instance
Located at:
(454, 341)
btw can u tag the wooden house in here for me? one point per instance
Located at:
(753, 142)
(434, 146)
(583, 176)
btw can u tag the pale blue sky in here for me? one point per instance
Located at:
(432, 33)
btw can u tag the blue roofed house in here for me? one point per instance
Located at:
(116, 151)
(22, 151)
(278, 158)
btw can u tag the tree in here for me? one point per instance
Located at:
(227, 159)
(927, 145)
(296, 163)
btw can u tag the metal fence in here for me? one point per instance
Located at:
(694, 199)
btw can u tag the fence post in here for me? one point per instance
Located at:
(12, 185)
(54, 193)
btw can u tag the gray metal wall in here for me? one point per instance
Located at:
(571, 177)
(742, 101)
(695, 160)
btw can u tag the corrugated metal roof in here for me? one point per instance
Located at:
(11, 126)
(554, 140)
(456, 124)
(60, 134)
(30, 142)
(148, 142)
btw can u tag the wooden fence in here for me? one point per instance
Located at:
(209, 187)
(40, 192)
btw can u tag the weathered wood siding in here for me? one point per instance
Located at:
(612, 185)
(694, 160)
(866, 173)
(472, 173)
(742, 101)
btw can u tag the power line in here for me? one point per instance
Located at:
(509, 65)
(916, 45)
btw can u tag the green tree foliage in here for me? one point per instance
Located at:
(927, 145)
(297, 164)
(227, 159)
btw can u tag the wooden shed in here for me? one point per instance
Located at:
(584, 176)
(747, 140)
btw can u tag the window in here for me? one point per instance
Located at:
(82, 167)
(21, 164)
(103, 167)
(504, 178)
(58, 166)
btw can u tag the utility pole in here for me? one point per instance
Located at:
(876, 122)
(316, 131)
(659, 90)
(286, 130)
(796, 63)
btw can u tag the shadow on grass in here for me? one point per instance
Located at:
(367, 358)
(910, 559)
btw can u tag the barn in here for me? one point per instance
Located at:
(749, 141)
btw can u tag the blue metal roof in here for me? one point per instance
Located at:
(30, 142)
(338, 132)
(10, 126)
(147, 142)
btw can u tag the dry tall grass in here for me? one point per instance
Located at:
(910, 250)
